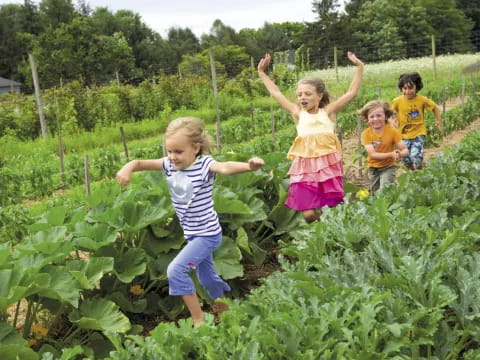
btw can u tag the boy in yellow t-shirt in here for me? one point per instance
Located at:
(410, 108)
(383, 144)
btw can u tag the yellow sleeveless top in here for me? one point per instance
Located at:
(316, 136)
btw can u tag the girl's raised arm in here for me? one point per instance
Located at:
(352, 91)
(273, 89)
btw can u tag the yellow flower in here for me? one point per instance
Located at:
(39, 330)
(362, 194)
(136, 290)
(32, 342)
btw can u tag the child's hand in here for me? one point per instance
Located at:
(255, 163)
(396, 155)
(439, 124)
(353, 58)
(263, 63)
(123, 177)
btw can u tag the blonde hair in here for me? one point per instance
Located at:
(193, 129)
(375, 104)
(320, 88)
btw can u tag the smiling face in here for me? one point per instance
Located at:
(376, 118)
(308, 98)
(409, 90)
(180, 150)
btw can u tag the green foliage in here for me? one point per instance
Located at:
(396, 280)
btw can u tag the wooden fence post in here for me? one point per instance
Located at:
(38, 95)
(434, 59)
(125, 149)
(215, 94)
(272, 118)
(359, 132)
(60, 145)
(335, 61)
(444, 100)
(87, 175)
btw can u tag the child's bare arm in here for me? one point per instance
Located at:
(352, 91)
(438, 117)
(236, 167)
(402, 149)
(273, 89)
(375, 155)
(124, 175)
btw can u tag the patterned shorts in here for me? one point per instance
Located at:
(415, 146)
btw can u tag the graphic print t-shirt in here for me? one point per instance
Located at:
(411, 115)
(191, 191)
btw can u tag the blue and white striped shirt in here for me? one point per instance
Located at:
(191, 190)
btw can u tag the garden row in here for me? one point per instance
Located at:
(34, 172)
(397, 279)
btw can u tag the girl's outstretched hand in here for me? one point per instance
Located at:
(264, 62)
(255, 163)
(353, 58)
(123, 177)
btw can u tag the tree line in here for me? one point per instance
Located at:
(71, 41)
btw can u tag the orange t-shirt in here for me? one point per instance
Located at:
(383, 142)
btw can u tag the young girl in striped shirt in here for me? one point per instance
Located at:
(190, 173)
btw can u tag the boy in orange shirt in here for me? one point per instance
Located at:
(410, 108)
(383, 144)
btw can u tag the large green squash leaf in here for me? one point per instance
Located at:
(88, 272)
(8, 335)
(100, 314)
(17, 283)
(131, 263)
(93, 237)
(62, 286)
(16, 352)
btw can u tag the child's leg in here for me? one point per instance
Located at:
(387, 175)
(407, 160)
(180, 283)
(416, 151)
(374, 178)
(193, 306)
(311, 215)
(208, 277)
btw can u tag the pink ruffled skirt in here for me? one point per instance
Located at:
(315, 182)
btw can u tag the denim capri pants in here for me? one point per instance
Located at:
(197, 255)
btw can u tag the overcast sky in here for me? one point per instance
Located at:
(199, 15)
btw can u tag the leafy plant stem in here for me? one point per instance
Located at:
(70, 334)
(28, 319)
(17, 310)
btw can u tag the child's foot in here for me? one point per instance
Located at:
(220, 307)
(208, 320)
(198, 321)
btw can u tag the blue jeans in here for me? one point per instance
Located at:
(196, 255)
(415, 146)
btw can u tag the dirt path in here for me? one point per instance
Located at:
(355, 169)
(451, 140)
